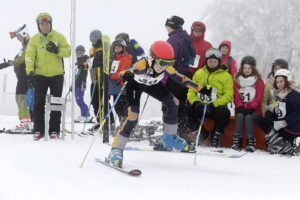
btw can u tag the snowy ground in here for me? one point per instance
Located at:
(39, 170)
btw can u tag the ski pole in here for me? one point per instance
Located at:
(199, 132)
(102, 124)
(137, 124)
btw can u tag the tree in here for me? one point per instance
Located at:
(265, 29)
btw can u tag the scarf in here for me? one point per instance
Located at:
(246, 82)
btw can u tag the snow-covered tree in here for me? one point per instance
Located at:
(265, 29)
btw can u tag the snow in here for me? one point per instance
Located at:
(42, 170)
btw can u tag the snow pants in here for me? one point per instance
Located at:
(41, 85)
(159, 92)
(79, 94)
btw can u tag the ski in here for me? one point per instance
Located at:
(212, 153)
(131, 172)
(12, 131)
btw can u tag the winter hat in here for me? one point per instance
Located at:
(283, 63)
(174, 22)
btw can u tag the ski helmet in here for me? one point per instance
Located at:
(285, 73)
(123, 36)
(162, 50)
(23, 31)
(43, 17)
(80, 48)
(95, 35)
(213, 53)
(248, 60)
(283, 63)
(119, 42)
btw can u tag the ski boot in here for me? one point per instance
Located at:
(237, 143)
(171, 141)
(215, 139)
(116, 157)
(24, 126)
(54, 135)
(250, 145)
(38, 135)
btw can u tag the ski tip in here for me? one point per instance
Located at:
(135, 172)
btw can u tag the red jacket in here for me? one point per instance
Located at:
(233, 68)
(125, 62)
(200, 45)
(255, 103)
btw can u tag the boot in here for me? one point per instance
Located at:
(237, 143)
(250, 145)
(54, 135)
(171, 141)
(215, 139)
(116, 156)
(38, 135)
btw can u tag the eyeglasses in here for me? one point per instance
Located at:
(162, 63)
(43, 19)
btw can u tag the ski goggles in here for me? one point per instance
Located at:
(213, 53)
(162, 63)
(43, 19)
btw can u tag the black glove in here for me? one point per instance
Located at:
(210, 109)
(51, 47)
(31, 80)
(198, 109)
(206, 90)
(241, 110)
(81, 60)
(249, 111)
(128, 76)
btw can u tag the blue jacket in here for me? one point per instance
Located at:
(183, 49)
(292, 116)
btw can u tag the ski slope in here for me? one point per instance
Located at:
(40, 170)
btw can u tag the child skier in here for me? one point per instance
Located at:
(217, 92)
(19, 67)
(80, 83)
(122, 61)
(248, 95)
(283, 130)
(146, 76)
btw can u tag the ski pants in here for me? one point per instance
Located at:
(121, 107)
(157, 91)
(79, 94)
(41, 85)
(249, 122)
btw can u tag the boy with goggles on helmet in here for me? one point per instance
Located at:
(146, 76)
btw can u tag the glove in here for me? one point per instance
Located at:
(270, 108)
(210, 109)
(31, 80)
(249, 111)
(206, 90)
(241, 110)
(198, 109)
(128, 76)
(279, 124)
(51, 47)
(83, 85)
(5, 64)
(81, 60)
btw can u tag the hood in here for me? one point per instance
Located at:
(227, 43)
(201, 37)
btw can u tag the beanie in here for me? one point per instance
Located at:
(175, 22)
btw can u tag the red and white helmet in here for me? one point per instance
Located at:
(285, 73)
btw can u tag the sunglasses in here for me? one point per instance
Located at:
(43, 19)
(162, 63)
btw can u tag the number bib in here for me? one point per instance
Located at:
(148, 80)
(208, 98)
(247, 94)
(114, 66)
(282, 110)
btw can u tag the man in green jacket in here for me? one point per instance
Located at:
(217, 92)
(45, 69)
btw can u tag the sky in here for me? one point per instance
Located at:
(142, 20)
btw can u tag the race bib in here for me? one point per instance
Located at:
(148, 80)
(247, 94)
(114, 66)
(281, 110)
(208, 98)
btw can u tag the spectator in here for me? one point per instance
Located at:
(225, 48)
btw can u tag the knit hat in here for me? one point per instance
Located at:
(174, 22)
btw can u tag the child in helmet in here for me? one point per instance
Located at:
(122, 61)
(146, 76)
(283, 130)
(248, 95)
(217, 92)
(22, 87)
(80, 83)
